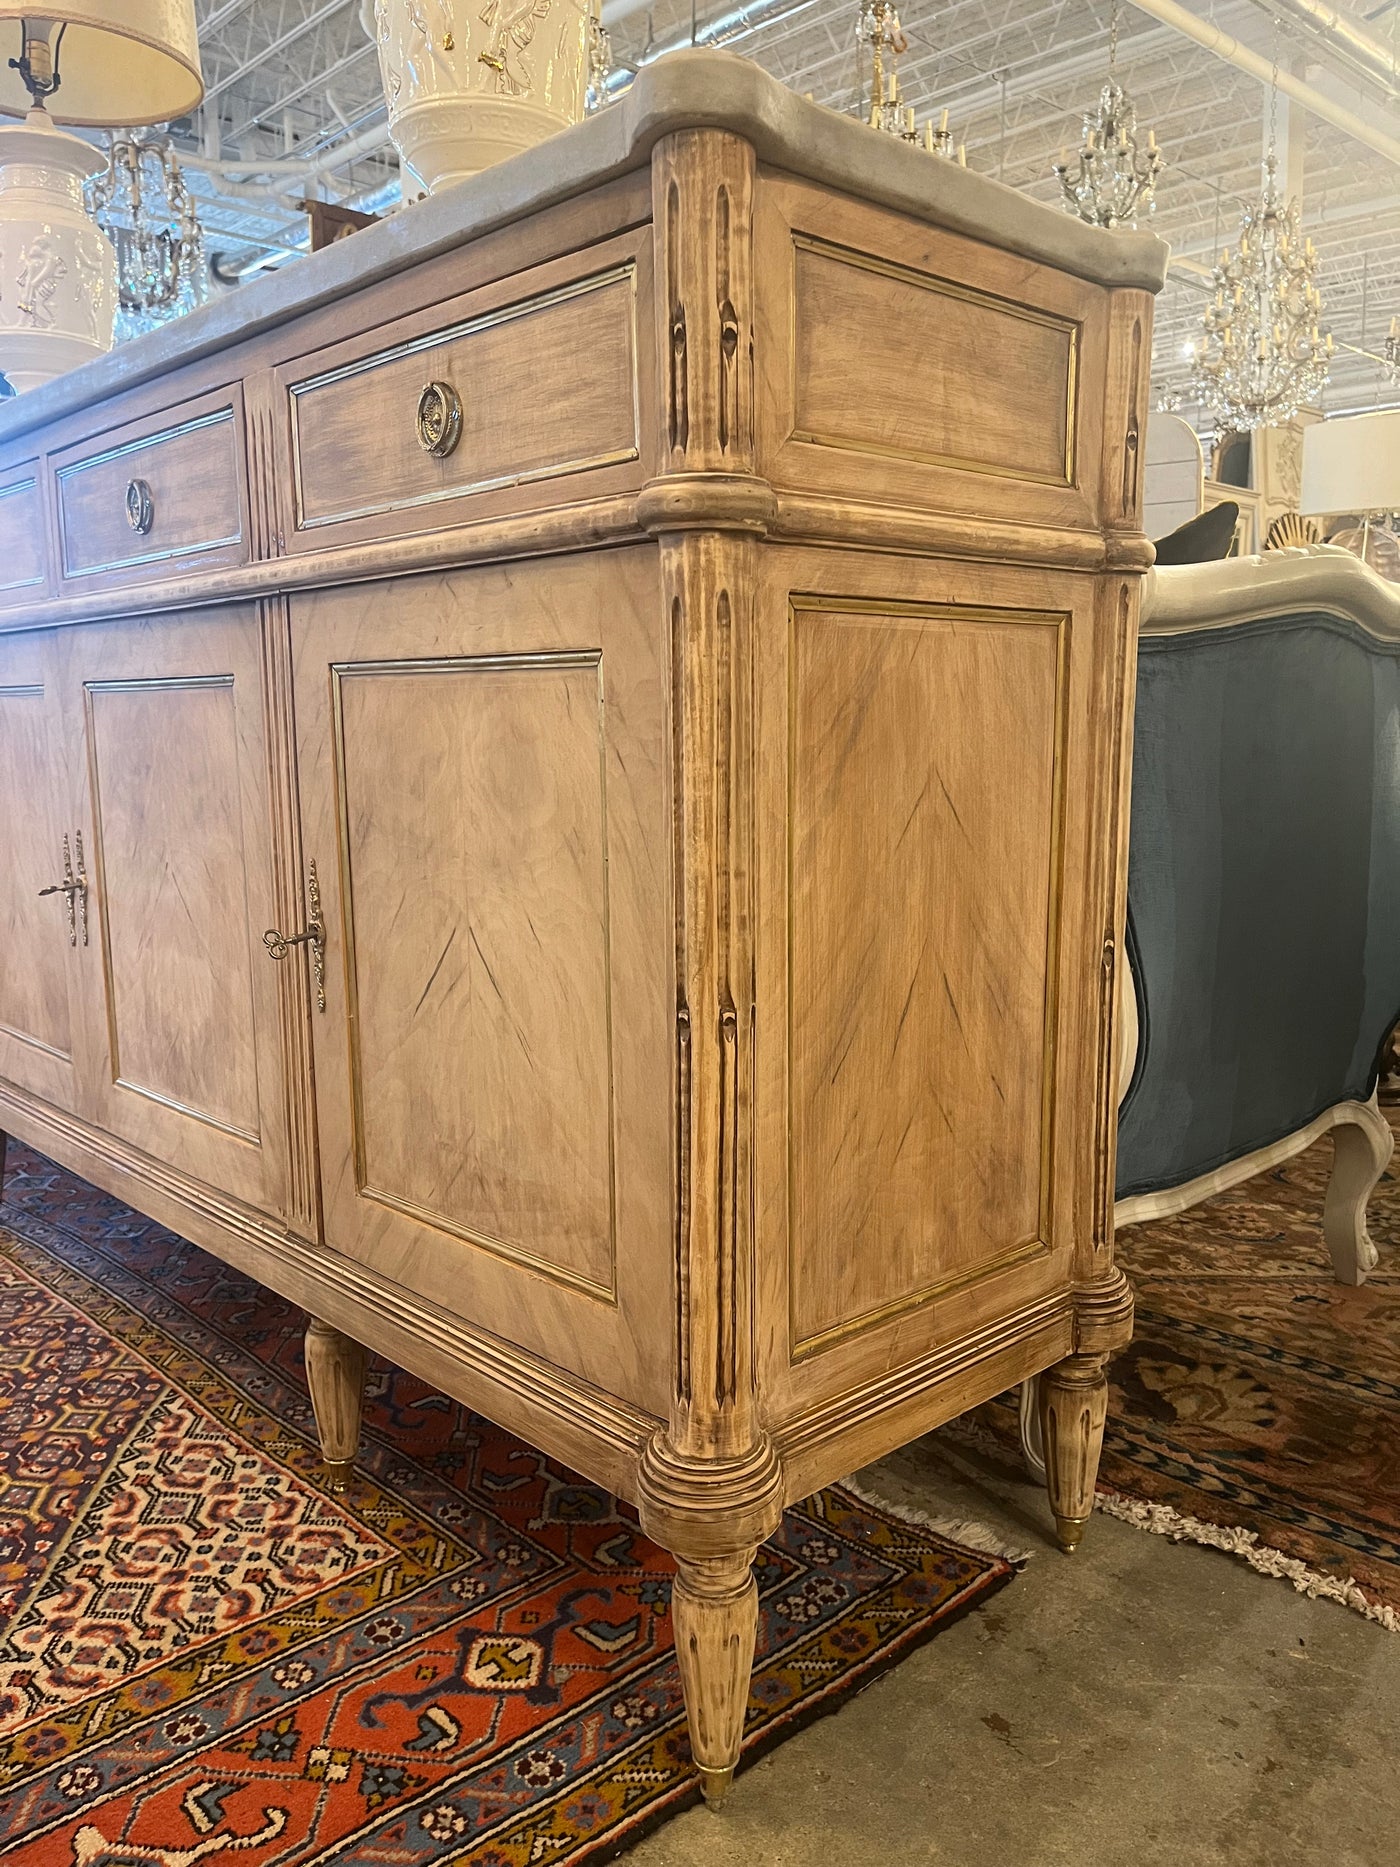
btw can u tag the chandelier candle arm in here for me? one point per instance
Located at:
(878, 27)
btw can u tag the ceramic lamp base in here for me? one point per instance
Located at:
(444, 140)
(58, 273)
(467, 89)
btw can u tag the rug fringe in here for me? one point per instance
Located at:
(1162, 1520)
(965, 1530)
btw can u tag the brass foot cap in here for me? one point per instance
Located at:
(337, 1473)
(1068, 1531)
(715, 1784)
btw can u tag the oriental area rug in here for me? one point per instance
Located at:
(1257, 1409)
(465, 1656)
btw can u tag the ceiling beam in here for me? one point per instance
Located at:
(1234, 52)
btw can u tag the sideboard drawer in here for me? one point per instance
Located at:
(172, 491)
(509, 393)
(23, 558)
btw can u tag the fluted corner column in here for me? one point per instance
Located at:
(710, 1487)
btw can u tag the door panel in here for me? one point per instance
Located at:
(485, 789)
(509, 750)
(38, 954)
(934, 739)
(169, 834)
(919, 1034)
(170, 715)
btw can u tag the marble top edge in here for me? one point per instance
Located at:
(685, 90)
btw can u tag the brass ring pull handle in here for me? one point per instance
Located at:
(279, 945)
(439, 419)
(75, 890)
(140, 506)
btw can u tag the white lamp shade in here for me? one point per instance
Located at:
(1352, 464)
(123, 63)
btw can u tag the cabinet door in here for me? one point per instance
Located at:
(40, 950)
(483, 767)
(183, 1006)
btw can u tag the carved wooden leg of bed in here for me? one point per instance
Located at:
(1363, 1144)
(335, 1374)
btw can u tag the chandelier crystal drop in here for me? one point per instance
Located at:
(1392, 351)
(1113, 178)
(878, 30)
(1264, 354)
(600, 64)
(144, 206)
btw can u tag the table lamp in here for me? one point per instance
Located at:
(99, 63)
(1351, 466)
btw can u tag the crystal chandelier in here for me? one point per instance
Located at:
(878, 27)
(1263, 356)
(143, 205)
(1112, 179)
(600, 64)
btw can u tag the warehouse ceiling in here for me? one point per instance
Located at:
(294, 108)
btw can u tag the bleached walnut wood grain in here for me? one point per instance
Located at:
(37, 975)
(719, 848)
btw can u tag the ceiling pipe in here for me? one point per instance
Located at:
(1345, 37)
(290, 173)
(1225, 46)
(615, 11)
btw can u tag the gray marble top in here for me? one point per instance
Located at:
(685, 90)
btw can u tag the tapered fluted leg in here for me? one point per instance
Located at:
(1073, 1406)
(1363, 1146)
(335, 1374)
(714, 1606)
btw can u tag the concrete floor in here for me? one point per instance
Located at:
(1140, 1704)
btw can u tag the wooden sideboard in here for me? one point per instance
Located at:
(562, 768)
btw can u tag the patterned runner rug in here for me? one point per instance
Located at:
(464, 1657)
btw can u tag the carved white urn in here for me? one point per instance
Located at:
(470, 84)
(58, 273)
